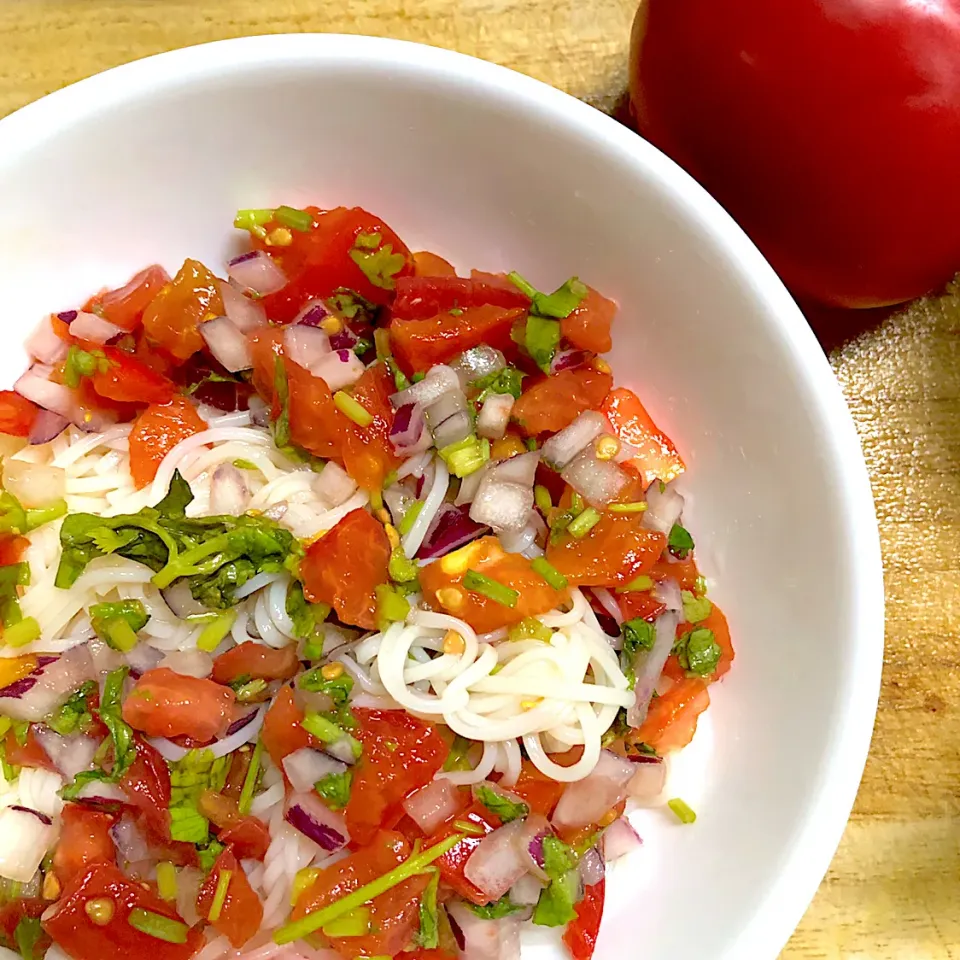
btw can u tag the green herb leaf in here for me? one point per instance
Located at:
(117, 624)
(555, 908)
(679, 541)
(428, 936)
(124, 748)
(695, 608)
(557, 857)
(559, 304)
(500, 804)
(457, 759)
(334, 789)
(381, 265)
(637, 635)
(499, 908)
(698, 652)
(508, 380)
(401, 569)
(306, 616)
(281, 426)
(338, 689)
(541, 338)
(75, 714)
(26, 935)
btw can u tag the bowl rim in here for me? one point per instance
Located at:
(808, 856)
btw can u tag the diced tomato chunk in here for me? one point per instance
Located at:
(12, 912)
(27, 754)
(540, 792)
(400, 754)
(240, 911)
(419, 344)
(394, 915)
(368, 454)
(656, 457)
(156, 432)
(256, 662)
(426, 264)
(640, 603)
(248, 836)
(556, 401)
(281, 733)
(128, 380)
(84, 839)
(672, 718)
(16, 414)
(167, 704)
(580, 935)
(587, 327)
(173, 317)
(147, 787)
(452, 863)
(442, 584)
(344, 567)
(124, 307)
(684, 571)
(717, 622)
(83, 938)
(615, 551)
(425, 297)
(12, 549)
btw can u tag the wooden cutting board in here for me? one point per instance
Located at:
(893, 892)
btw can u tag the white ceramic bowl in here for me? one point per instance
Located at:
(148, 162)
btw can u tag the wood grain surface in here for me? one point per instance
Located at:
(893, 892)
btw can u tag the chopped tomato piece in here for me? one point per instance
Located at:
(156, 432)
(556, 401)
(672, 719)
(16, 414)
(128, 380)
(451, 864)
(12, 549)
(684, 571)
(443, 589)
(256, 662)
(281, 733)
(640, 603)
(27, 754)
(540, 792)
(419, 344)
(124, 307)
(615, 551)
(368, 454)
(587, 327)
(13, 912)
(425, 297)
(73, 928)
(240, 911)
(426, 264)
(323, 260)
(167, 704)
(84, 839)
(580, 936)
(656, 457)
(434, 954)
(172, 319)
(345, 566)
(717, 622)
(400, 755)
(394, 915)
(147, 787)
(248, 836)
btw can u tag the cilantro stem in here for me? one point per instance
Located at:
(319, 918)
(250, 780)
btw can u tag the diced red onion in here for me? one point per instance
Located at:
(25, 837)
(341, 749)
(526, 891)
(649, 778)
(48, 686)
(312, 700)
(132, 846)
(440, 379)
(143, 657)
(495, 415)
(452, 527)
(518, 541)
(409, 431)
(452, 430)
(476, 363)
(338, 369)
(240, 724)
(619, 839)
(433, 804)
(668, 593)
(448, 405)
(181, 601)
(168, 749)
(563, 446)
(189, 881)
(530, 843)
(664, 508)
(609, 603)
(399, 497)
(485, 939)
(313, 313)
(649, 665)
(586, 801)
(189, 663)
(245, 314)
(304, 767)
(334, 485)
(496, 863)
(69, 755)
(227, 343)
(597, 481)
(470, 484)
(306, 346)
(567, 360)
(47, 426)
(257, 272)
(88, 326)
(520, 469)
(259, 411)
(229, 494)
(67, 316)
(37, 387)
(345, 339)
(502, 506)
(305, 812)
(44, 344)
(592, 868)
(101, 794)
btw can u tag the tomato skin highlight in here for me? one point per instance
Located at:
(124, 306)
(84, 839)
(580, 935)
(587, 327)
(554, 402)
(425, 297)
(173, 317)
(16, 414)
(345, 565)
(256, 661)
(400, 755)
(452, 863)
(128, 380)
(82, 939)
(657, 457)
(242, 912)
(367, 452)
(671, 720)
(156, 432)
(167, 704)
(281, 732)
(777, 109)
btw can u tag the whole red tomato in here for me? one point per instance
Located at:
(830, 129)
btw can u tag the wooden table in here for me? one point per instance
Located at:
(893, 892)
